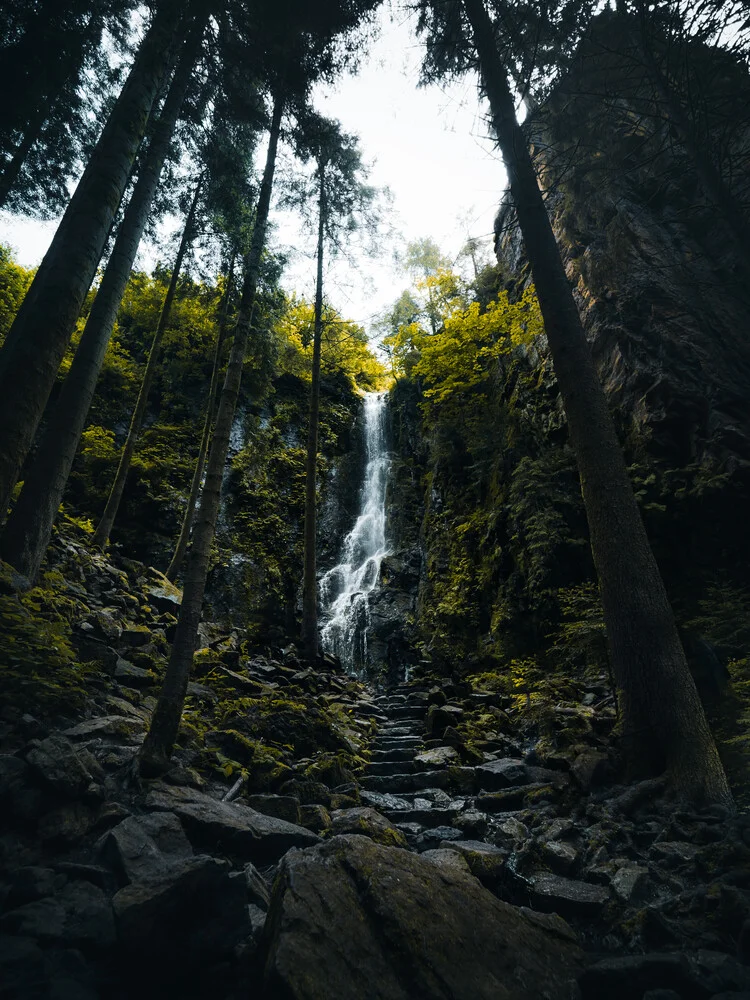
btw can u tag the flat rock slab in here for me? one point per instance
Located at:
(356, 921)
(439, 757)
(505, 773)
(568, 897)
(229, 826)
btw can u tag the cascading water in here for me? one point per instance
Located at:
(345, 589)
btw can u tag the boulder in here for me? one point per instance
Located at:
(357, 921)
(281, 806)
(590, 769)
(144, 847)
(439, 757)
(486, 862)
(440, 717)
(315, 818)
(228, 826)
(56, 762)
(131, 675)
(189, 914)
(505, 773)
(79, 915)
(370, 823)
(630, 882)
(568, 897)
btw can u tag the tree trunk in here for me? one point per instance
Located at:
(29, 526)
(165, 723)
(310, 582)
(195, 486)
(102, 533)
(663, 719)
(41, 331)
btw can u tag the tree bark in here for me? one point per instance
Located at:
(664, 726)
(310, 581)
(102, 533)
(200, 464)
(41, 331)
(29, 526)
(165, 723)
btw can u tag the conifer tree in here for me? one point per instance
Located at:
(104, 528)
(165, 721)
(664, 726)
(41, 331)
(52, 52)
(29, 526)
(208, 424)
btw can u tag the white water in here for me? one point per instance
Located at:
(345, 589)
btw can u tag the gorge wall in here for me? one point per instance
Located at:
(490, 536)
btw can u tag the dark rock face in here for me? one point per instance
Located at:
(355, 920)
(660, 292)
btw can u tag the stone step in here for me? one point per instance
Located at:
(407, 753)
(398, 731)
(384, 742)
(406, 711)
(427, 818)
(383, 767)
(460, 779)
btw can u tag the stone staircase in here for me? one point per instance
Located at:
(420, 784)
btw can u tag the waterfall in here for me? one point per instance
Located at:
(345, 589)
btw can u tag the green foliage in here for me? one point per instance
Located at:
(14, 283)
(38, 669)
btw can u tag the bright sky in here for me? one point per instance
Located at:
(429, 146)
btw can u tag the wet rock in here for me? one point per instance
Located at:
(674, 853)
(560, 856)
(358, 921)
(315, 818)
(631, 883)
(227, 825)
(281, 806)
(189, 914)
(125, 727)
(440, 717)
(446, 858)
(132, 675)
(568, 897)
(56, 762)
(369, 823)
(590, 769)
(135, 637)
(438, 757)
(486, 862)
(144, 847)
(79, 915)
(504, 773)
(166, 599)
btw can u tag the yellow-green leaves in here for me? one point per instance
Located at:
(462, 353)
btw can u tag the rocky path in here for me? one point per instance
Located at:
(643, 889)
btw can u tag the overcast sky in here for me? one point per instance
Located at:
(430, 147)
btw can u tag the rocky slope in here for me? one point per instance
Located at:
(316, 837)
